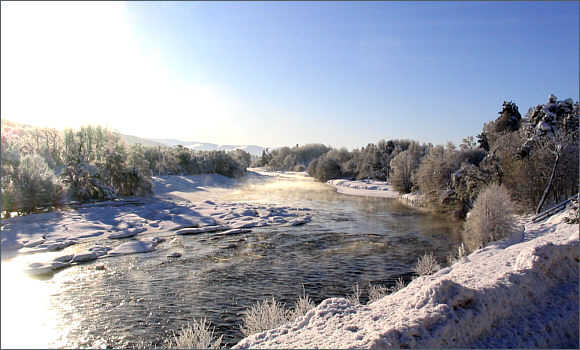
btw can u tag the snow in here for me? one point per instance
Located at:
(413, 198)
(181, 205)
(512, 294)
(370, 188)
(300, 221)
(374, 188)
(135, 247)
(190, 231)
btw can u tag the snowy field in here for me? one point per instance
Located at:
(521, 292)
(181, 205)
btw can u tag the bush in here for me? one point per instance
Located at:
(264, 315)
(196, 336)
(399, 284)
(377, 291)
(270, 314)
(299, 168)
(427, 265)
(454, 256)
(490, 219)
(32, 184)
(301, 306)
(355, 296)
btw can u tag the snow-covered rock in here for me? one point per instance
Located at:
(299, 221)
(197, 230)
(135, 247)
(49, 246)
(131, 232)
(233, 232)
(370, 188)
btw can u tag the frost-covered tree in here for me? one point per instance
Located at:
(329, 166)
(434, 173)
(242, 157)
(531, 166)
(289, 161)
(403, 166)
(509, 118)
(137, 176)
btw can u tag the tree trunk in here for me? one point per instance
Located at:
(547, 190)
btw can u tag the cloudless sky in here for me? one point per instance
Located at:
(285, 73)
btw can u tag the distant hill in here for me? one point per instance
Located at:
(202, 146)
(130, 140)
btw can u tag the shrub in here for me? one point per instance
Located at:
(264, 315)
(299, 167)
(490, 219)
(454, 256)
(355, 296)
(196, 336)
(399, 284)
(32, 184)
(427, 265)
(377, 291)
(301, 306)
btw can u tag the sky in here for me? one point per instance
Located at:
(276, 74)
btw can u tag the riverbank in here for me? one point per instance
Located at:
(521, 292)
(374, 188)
(181, 205)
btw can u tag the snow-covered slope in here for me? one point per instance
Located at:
(502, 296)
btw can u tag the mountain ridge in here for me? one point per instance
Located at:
(205, 146)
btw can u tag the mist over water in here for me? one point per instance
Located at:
(140, 299)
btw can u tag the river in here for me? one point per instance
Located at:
(139, 300)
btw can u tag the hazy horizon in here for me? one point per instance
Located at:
(275, 74)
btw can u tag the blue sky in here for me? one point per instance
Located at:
(339, 73)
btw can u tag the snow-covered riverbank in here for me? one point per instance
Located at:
(370, 188)
(502, 296)
(181, 205)
(374, 188)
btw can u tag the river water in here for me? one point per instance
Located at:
(139, 300)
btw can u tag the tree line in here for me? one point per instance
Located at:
(534, 156)
(43, 166)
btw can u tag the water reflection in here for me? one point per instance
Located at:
(138, 300)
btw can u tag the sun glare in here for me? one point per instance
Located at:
(28, 319)
(66, 64)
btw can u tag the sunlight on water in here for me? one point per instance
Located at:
(28, 318)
